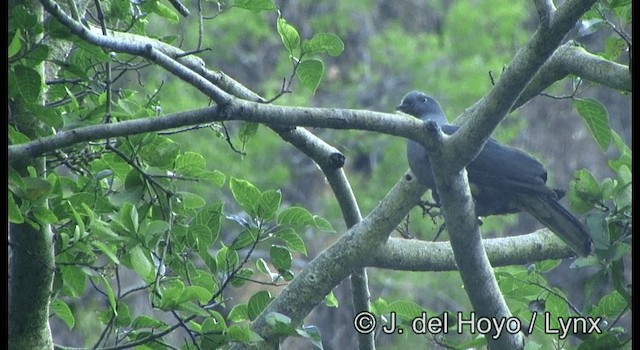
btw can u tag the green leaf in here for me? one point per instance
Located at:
(246, 194)
(243, 334)
(262, 266)
(35, 188)
(257, 303)
(74, 280)
(619, 3)
(108, 250)
(227, 259)
(144, 321)
(239, 313)
(611, 305)
(242, 277)
(191, 200)
(142, 263)
(129, 217)
(244, 239)
(309, 73)
(16, 44)
(216, 177)
(15, 214)
(292, 240)
(247, 131)
(36, 55)
(269, 204)
(288, 34)
(323, 42)
(161, 10)
(296, 216)
(62, 310)
(29, 83)
(255, 5)
(44, 215)
(280, 323)
(280, 258)
(597, 119)
(583, 191)
(190, 164)
(196, 293)
(330, 300)
(110, 295)
(323, 224)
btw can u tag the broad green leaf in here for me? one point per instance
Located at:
(62, 310)
(295, 216)
(245, 239)
(268, 204)
(288, 34)
(141, 263)
(35, 188)
(108, 250)
(583, 191)
(239, 313)
(227, 259)
(243, 333)
(323, 224)
(281, 324)
(246, 194)
(310, 73)
(242, 277)
(162, 10)
(597, 119)
(144, 321)
(36, 55)
(262, 266)
(247, 131)
(257, 303)
(111, 297)
(16, 137)
(15, 45)
(280, 258)
(323, 42)
(190, 164)
(191, 200)
(292, 240)
(255, 5)
(216, 177)
(195, 293)
(44, 215)
(15, 215)
(74, 280)
(129, 217)
(29, 83)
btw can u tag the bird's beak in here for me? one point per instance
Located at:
(399, 107)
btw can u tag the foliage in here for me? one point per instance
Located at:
(188, 220)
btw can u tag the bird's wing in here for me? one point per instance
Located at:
(506, 168)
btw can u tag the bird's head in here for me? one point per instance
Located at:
(422, 106)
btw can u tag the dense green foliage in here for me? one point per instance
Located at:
(202, 226)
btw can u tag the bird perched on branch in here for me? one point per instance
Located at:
(502, 179)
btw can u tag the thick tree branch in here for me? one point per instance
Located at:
(570, 58)
(413, 255)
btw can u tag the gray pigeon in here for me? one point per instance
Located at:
(503, 179)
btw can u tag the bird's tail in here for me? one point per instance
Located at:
(559, 220)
